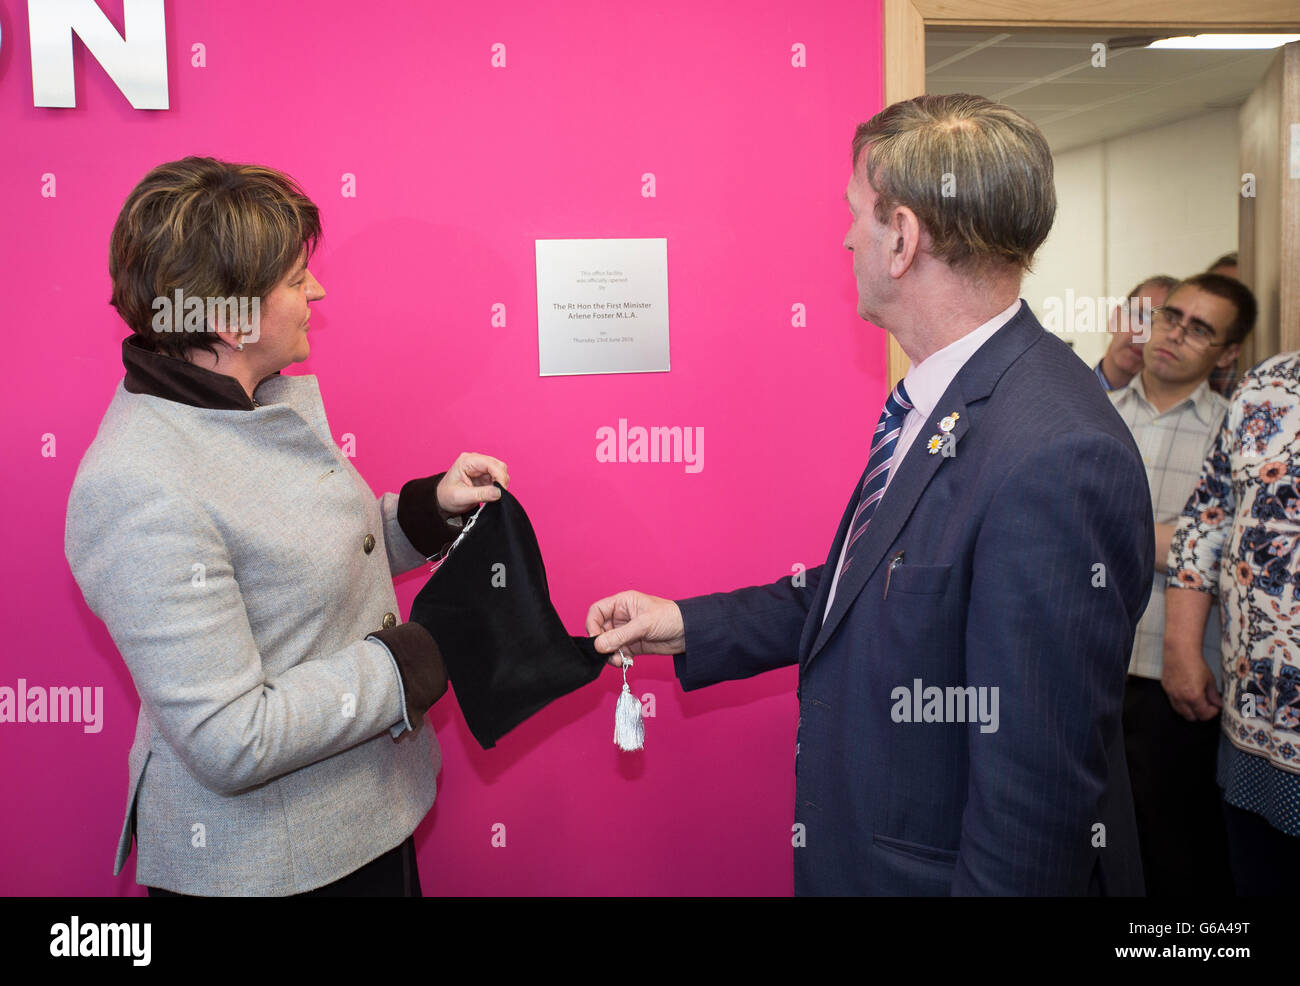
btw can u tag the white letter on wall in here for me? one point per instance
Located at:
(136, 61)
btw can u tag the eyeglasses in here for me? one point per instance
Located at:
(1197, 334)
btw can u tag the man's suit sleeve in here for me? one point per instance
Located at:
(742, 633)
(1060, 576)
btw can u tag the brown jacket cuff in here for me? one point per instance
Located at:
(426, 525)
(419, 663)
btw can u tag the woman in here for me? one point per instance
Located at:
(244, 568)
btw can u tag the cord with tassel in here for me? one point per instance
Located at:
(629, 727)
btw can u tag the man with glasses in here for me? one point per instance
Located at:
(1175, 417)
(1129, 329)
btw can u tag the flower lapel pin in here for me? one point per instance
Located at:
(946, 441)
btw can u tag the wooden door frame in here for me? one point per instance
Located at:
(905, 21)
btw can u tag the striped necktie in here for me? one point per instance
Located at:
(883, 443)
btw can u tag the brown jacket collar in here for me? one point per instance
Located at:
(174, 379)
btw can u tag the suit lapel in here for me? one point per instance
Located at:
(895, 507)
(972, 384)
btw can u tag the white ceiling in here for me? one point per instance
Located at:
(1049, 77)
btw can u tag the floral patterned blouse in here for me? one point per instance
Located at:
(1239, 538)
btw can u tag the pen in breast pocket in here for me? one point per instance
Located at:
(889, 574)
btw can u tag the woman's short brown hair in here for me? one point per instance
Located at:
(211, 230)
(977, 174)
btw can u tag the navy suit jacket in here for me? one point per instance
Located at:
(1027, 561)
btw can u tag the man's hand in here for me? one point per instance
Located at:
(1189, 683)
(639, 623)
(469, 482)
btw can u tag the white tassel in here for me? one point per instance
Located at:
(629, 728)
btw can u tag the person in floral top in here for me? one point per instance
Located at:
(1238, 539)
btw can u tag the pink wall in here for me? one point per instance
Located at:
(459, 168)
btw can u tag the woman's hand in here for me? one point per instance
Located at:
(469, 482)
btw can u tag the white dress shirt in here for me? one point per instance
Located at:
(1174, 443)
(925, 383)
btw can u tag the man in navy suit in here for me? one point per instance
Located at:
(962, 652)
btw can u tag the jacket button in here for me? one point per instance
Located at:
(390, 621)
(368, 545)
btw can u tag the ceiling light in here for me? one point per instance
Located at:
(1227, 41)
